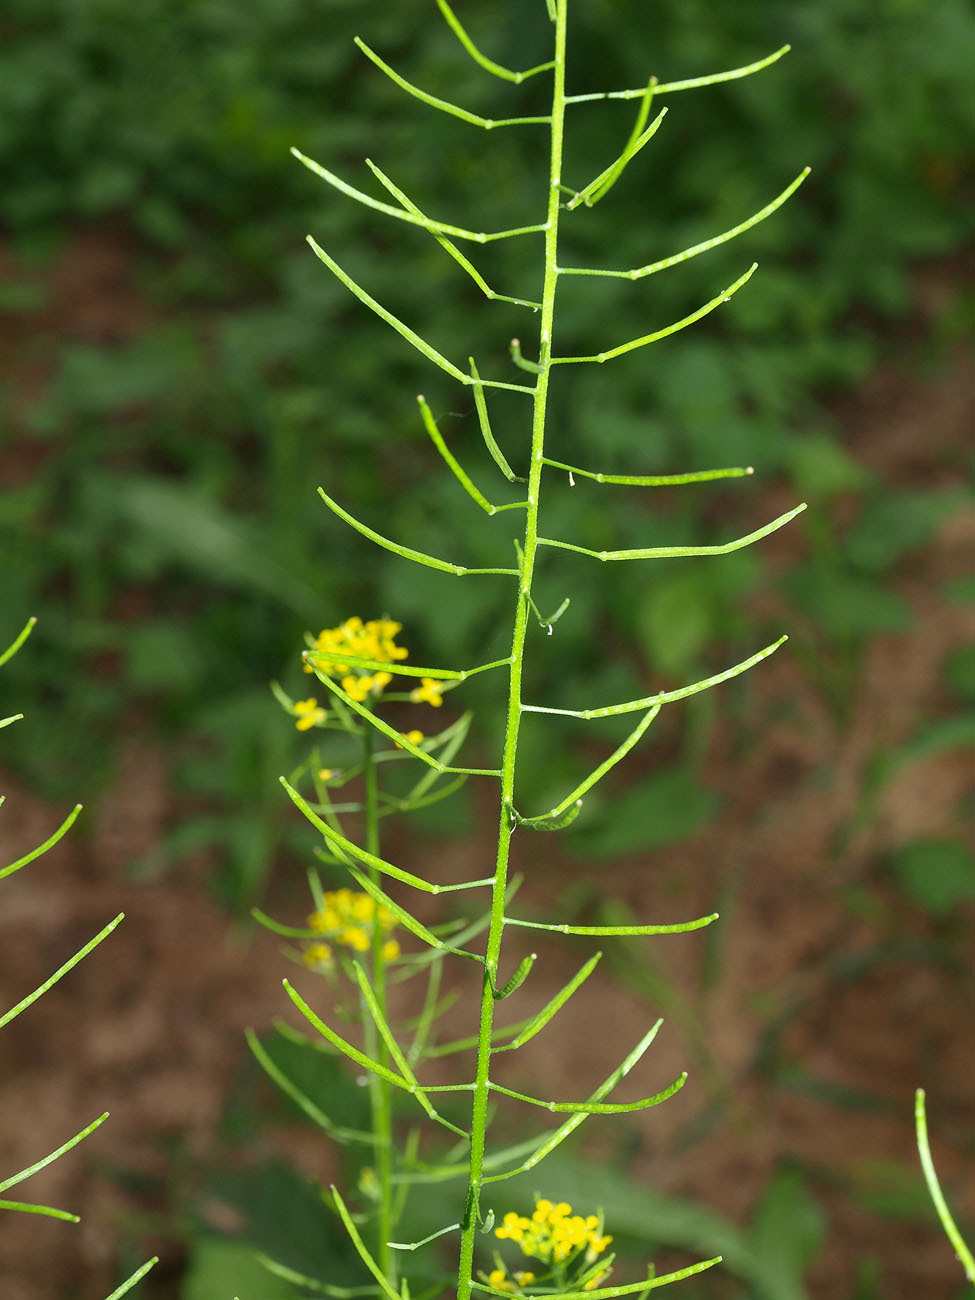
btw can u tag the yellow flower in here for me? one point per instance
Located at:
(523, 1279)
(357, 688)
(554, 1234)
(414, 737)
(429, 691)
(375, 640)
(326, 773)
(309, 714)
(498, 1278)
(349, 917)
(318, 954)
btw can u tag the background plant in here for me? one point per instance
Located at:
(13, 1180)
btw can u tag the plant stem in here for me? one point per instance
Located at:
(529, 547)
(379, 1089)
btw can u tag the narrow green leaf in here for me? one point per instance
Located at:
(703, 247)
(451, 460)
(693, 83)
(360, 1246)
(596, 188)
(607, 1292)
(680, 552)
(410, 335)
(24, 1174)
(396, 1052)
(398, 737)
(442, 104)
(447, 245)
(550, 821)
(407, 553)
(664, 697)
(415, 1245)
(574, 798)
(27, 1207)
(136, 1277)
(655, 337)
(43, 848)
(18, 641)
(496, 69)
(80, 955)
(312, 1284)
(680, 927)
(651, 480)
(485, 423)
(548, 1145)
(336, 1040)
(301, 1099)
(517, 979)
(962, 1252)
(435, 227)
(594, 1107)
(539, 1021)
(405, 919)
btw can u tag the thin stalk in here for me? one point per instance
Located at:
(379, 1090)
(479, 1109)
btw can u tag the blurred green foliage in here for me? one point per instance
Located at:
(182, 373)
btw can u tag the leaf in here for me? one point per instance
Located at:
(937, 873)
(788, 1230)
(895, 523)
(847, 607)
(959, 673)
(219, 1267)
(822, 469)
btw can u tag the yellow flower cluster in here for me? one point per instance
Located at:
(309, 714)
(554, 1234)
(430, 691)
(349, 918)
(498, 1278)
(374, 640)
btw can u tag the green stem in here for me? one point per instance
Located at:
(529, 546)
(379, 1090)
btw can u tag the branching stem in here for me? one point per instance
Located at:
(479, 1110)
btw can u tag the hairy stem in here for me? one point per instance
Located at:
(529, 547)
(379, 1089)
